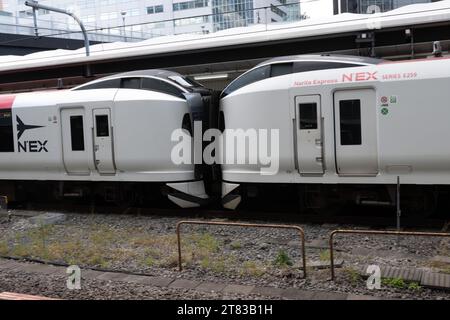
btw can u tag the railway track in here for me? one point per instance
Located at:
(248, 254)
(384, 219)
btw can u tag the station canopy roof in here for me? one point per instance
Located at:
(348, 22)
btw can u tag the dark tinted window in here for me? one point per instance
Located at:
(106, 84)
(350, 121)
(308, 116)
(280, 69)
(76, 132)
(6, 131)
(161, 86)
(101, 123)
(131, 83)
(304, 66)
(192, 82)
(255, 75)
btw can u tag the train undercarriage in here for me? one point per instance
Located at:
(119, 194)
(415, 200)
(340, 199)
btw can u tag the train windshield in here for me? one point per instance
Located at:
(182, 81)
(257, 74)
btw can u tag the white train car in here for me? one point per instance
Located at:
(113, 130)
(342, 122)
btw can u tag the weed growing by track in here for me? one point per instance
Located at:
(110, 247)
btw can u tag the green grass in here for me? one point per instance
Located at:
(4, 247)
(414, 286)
(397, 283)
(282, 259)
(353, 275)
(103, 246)
(253, 268)
(235, 245)
(207, 242)
(217, 265)
(324, 255)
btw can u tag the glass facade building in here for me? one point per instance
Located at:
(232, 13)
(142, 19)
(369, 6)
(135, 20)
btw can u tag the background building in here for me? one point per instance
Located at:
(135, 20)
(363, 6)
(323, 8)
(143, 19)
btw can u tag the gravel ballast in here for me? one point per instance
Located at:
(249, 256)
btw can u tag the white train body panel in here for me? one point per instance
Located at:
(410, 140)
(137, 148)
(115, 129)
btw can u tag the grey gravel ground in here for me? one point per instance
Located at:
(225, 254)
(53, 286)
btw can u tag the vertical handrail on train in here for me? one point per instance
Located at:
(248, 225)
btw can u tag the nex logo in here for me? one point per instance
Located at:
(33, 146)
(359, 76)
(29, 146)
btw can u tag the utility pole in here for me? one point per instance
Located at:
(124, 13)
(35, 5)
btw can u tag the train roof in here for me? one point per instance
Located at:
(173, 77)
(324, 57)
(158, 73)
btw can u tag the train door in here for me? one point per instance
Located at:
(103, 141)
(73, 129)
(308, 135)
(356, 132)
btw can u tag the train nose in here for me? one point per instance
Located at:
(190, 194)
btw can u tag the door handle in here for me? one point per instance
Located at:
(319, 159)
(97, 162)
(96, 147)
(318, 142)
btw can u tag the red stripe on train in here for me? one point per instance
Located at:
(6, 102)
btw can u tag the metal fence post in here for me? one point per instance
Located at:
(250, 225)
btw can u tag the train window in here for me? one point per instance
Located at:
(191, 81)
(6, 131)
(102, 125)
(106, 84)
(252, 76)
(77, 133)
(161, 86)
(131, 83)
(181, 81)
(350, 122)
(308, 116)
(280, 69)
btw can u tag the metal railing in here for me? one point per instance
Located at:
(248, 225)
(376, 232)
(3, 203)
